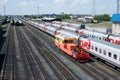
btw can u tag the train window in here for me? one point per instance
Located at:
(104, 52)
(65, 41)
(109, 54)
(115, 56)
(96, 48)
(105, 39)
(70, 41)
(100, 50)
(92, 47)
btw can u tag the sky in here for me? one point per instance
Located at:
(30, 7)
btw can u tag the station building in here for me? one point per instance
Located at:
(116, 24)
(50, 19)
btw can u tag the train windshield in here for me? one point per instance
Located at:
(69, 41)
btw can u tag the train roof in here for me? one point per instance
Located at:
(100, 33)
(66, 32)
(63, 36)
(76, 25)
(93, 31)
(115, 35)
(52, 28)
(105, 43)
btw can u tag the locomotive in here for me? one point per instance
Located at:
(68, 45)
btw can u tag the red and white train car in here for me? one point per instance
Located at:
(104, 50)
(101, 36)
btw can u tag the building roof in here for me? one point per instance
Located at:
(115, 18)
(50, 19)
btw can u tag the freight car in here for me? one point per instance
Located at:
(19, 23)
(16, 22)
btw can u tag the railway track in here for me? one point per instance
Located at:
(35, 70)
(31, 55)
(8, 51)
(59, 68)
(22, 64)
(94, 69)
(19, 63)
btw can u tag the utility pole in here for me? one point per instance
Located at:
(93, 11)
(4, 10)
(38, 10)
(118, 1)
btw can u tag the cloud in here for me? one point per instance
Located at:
(24, 3)
(42, 5)
(59, 1)
(3, 1)
(77, 2)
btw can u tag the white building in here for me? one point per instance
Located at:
(116, 24)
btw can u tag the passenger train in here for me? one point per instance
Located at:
(81, 29)
(101, 36)
(66, 43)
(102, 49)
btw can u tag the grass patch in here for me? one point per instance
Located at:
(71, 21)
(102, 25)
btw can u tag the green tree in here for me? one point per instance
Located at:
(64, 16)
(104, 17)
(33, 16)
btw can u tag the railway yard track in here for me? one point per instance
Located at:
(30, 54)
(96, 69)
(8, 67)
